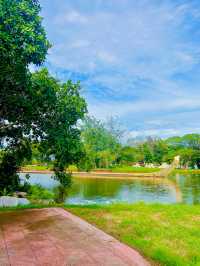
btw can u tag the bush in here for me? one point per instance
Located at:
(38, 192)
(72, 168)
(60, 193)
(9, 178)
(65, 179)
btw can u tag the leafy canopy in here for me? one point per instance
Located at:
(33, 107)
(101, 145)
(22, 42)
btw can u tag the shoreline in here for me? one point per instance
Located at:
(94, 174)
(113, 175)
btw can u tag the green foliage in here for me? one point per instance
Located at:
(126, 155)
(152, 151)
(5, 192)
(9, 165)
(98, 154)
(61, 108)
(188, 147)
(38, 157)
(192, 141)
(148, 153)
(190, 157)
(37, 167)
(105, 158)
(101, 146)
(97, 137)
(187, 141)
(157, 151)
(33, 107)
(37, 192)
(9, 179)
(60, 193)
(22, 42)
(132, 169)
(87, 162)
(21, 31)
(65, 179)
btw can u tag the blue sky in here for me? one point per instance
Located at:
(138, 60)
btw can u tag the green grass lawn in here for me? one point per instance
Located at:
(31, 167)
(131, 169)
(37, 167)
(165, 234)
(118, 169)
(187, 171)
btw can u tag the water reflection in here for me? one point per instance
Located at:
(106, 191)
(178, 188)
(189, 186)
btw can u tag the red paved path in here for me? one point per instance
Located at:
(54, 237)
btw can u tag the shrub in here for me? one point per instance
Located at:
(38, 192)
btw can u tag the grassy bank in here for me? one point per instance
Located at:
(187, 171)
(41, 168)
(37, 167)
(117, 169)
(167, 234)
(131, 169)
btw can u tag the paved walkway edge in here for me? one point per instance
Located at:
(115, 245)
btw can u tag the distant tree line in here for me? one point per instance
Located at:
(103, 148)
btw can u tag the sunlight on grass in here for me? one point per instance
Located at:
(31, 167)
(166, 234)
(131, 169)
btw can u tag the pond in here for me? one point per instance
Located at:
(176, 189)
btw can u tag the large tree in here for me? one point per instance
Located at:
(32, 106)
(22, 42)
(101, 145)
(59, 108)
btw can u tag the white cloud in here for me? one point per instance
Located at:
(164, 133)
(80, 44)
(135, 49)
(101, 109)
(106, 57)
(154, 132)
(71, 17)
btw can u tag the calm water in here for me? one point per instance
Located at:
(178, 188)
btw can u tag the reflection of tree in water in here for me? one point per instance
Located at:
(179, 188)
(196, 189)
(190, 187)
(187, 187)
(150, 186)
(60, 193)
(89, 188)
